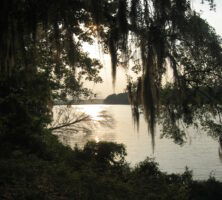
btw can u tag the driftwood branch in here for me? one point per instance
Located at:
(87, 118)
(69, 121)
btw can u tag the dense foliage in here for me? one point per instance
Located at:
(42, 59)
(42, 42)
(98, 171)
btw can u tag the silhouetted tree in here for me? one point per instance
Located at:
(41, 50)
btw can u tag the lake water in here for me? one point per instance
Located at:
(199, 154)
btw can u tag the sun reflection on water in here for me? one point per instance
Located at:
(93, 111)
(103, 121)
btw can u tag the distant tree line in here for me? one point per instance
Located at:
(168, 96)
(121, 98)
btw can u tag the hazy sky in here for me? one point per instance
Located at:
(106, 88)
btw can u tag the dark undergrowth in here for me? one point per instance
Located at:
(40, 167)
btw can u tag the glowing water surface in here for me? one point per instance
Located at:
(200, 153)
